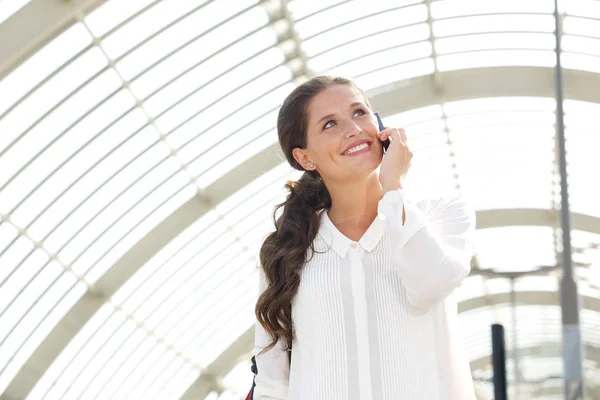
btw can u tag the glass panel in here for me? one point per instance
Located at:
(21, 341)
(180, 384)
(100, 369)
(151, 357)
(16, 293)
(99, 349)
(234, 89)
(58, 166)
(256, 191)
(20, 118)
(415, 116)
(542, 41)
(224, 144)
(234, 160)
(502, 104)
(582, 62)
(395, 73)
(187, 30)
(578, 44)
(150, 374)
(202, 60)
(121, 216)
(8, 233)
(534, 245)
(581, 26)
(209, 128)
(92, 165)
(142, 346)
(583, 8)
(494, 23)
(151, 22)
(102, 202)
(54, 378)
(360, 47)
(385, 13)
(496, 58)
(195, 268)
(216, 301)
(14, 255)
(398, 55)
(112, 13)
(197, 293)
(301, 9)
(537, 283)
(69, 291)
(155, 272)
(39, 66)
(143, 219)
(455, 8)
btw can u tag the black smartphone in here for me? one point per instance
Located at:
(386, 142)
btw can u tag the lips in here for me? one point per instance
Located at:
(354, 144)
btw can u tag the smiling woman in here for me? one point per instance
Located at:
(355, 277)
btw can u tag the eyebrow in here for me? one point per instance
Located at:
(356, 103)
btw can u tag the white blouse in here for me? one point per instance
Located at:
(376, 319)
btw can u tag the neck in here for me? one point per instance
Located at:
(355, 202)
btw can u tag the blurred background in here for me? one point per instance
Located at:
(139, 167)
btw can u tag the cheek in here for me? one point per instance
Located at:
(369, 128)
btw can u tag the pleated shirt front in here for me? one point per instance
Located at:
(376, 319)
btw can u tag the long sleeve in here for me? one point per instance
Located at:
(433, 249)
(273, 366)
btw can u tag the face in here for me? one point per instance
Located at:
(341, 135)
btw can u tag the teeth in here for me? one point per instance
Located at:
(357, 148)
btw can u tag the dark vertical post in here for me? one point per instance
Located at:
(499, 362)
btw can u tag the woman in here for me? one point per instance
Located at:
(356, 277)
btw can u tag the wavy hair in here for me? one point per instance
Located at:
(284, 251)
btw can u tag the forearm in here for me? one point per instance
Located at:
(429, 271)
(431, 252)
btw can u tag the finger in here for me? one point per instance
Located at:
(384, 134)
(395, 134)
(403, 136)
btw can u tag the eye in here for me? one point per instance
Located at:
(360, 112)
(328, 124)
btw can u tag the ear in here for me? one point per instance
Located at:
(301, 156)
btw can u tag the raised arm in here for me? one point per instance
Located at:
(433, 248)
(273, 366)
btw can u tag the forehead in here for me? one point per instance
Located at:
(332, 99)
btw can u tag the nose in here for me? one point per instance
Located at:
(351, 129)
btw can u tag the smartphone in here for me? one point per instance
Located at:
(386, 142)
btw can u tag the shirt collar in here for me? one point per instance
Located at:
(341, 243)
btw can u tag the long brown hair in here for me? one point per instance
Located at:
(283, 253)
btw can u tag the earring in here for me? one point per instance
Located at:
(311, 165)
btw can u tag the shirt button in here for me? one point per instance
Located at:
(354, 245)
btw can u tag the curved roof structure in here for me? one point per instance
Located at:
(139, 167)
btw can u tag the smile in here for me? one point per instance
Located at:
(361, 148)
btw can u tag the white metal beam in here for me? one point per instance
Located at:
(483, 82)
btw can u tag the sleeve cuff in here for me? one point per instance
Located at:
(389, 211)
